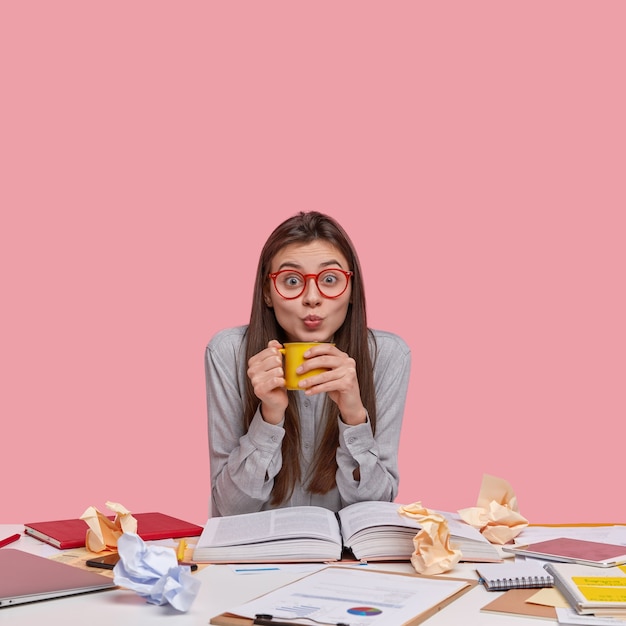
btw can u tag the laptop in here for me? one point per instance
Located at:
(26, 577)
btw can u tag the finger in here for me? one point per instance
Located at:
(322, 348)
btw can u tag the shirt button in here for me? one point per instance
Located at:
(274, 438)
(306, 446)
(351, 440)
(307, 403)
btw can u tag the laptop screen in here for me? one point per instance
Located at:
(26, 577)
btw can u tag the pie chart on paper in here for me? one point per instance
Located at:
(364, 610)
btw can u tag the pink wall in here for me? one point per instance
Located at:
(474, 150)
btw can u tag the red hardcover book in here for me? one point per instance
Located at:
(70, 533)
(572, 550)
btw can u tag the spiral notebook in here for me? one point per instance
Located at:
(518, 575)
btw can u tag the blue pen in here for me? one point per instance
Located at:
(256, 569)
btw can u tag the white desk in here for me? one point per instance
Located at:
(221, 590)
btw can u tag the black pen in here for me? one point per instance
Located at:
(265, 619)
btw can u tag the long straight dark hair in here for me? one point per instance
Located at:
(352, 338)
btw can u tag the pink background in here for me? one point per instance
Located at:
(476, 153)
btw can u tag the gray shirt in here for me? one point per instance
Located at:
(244, 464)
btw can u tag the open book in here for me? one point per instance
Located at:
(370, 530)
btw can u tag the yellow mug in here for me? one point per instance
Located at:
(294, 359)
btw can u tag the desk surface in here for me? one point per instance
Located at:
(221, 590)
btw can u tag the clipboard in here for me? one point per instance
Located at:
(232, 619)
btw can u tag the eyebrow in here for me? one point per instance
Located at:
(297, 266)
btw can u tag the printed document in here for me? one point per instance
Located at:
(342, 595)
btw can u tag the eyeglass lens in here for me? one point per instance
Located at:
(331, 283)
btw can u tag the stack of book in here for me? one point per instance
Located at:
(590, 575)
(591, 590)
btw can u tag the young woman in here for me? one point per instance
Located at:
(335, 441)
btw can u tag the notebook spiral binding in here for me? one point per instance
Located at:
(522, 582)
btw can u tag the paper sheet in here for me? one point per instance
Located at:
(549, 596)
(358, 597)
(603, 534)
(569, 617)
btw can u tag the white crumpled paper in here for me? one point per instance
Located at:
(154, 573)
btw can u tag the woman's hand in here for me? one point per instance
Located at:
(340, 381)
(265, 371)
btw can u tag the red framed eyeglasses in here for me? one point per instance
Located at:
(290, 284)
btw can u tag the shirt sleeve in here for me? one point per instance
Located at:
(243, 464)
(376, 456)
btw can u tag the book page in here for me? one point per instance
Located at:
(360, 515)
(290, 522)
(363, 520)
(459, 528)
(356, 517)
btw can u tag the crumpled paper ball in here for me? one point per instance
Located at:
(496, 514)
(154, 573)
(104, 533)
(433, 554)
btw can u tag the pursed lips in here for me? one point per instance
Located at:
(312, 321)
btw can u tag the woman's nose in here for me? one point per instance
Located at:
(312, 293)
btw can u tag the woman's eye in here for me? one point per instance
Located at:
(293, 281)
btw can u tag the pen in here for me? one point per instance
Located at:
(256, 569)
(264, 619)
(193, 566)
(8, 540)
